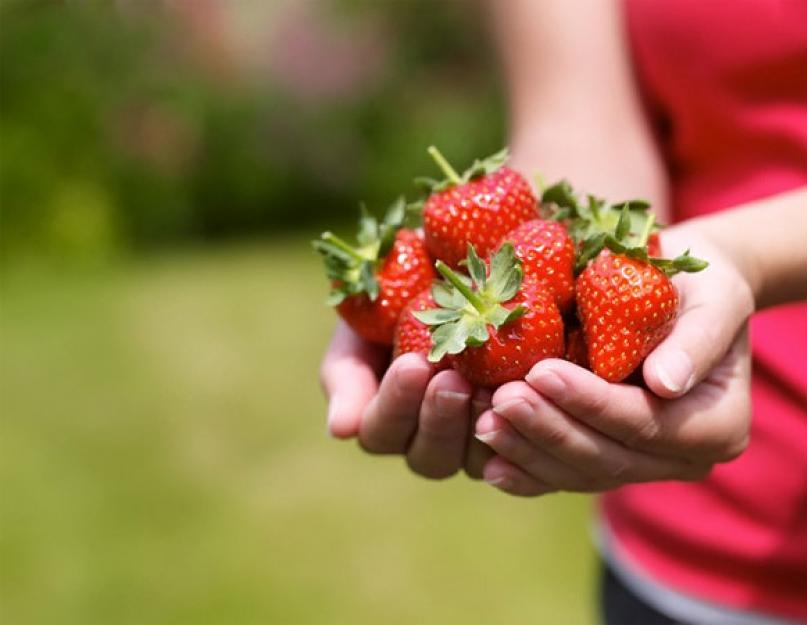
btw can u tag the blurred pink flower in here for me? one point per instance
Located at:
(314, 58)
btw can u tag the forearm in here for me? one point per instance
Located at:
(767, 240)
(574, 108)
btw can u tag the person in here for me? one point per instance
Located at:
(702, 108)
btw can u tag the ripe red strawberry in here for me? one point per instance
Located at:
(627, 307)
(546, 253)
(411, 335)
(625, 300)
(489, 343)
(374, 281)
(480, 207)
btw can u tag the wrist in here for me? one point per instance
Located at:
(764, 241)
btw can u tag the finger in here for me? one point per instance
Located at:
(349, 378)
(713, 308)
(513, 447)
(705, 425)
(512, 480)
(616, 410)
(607, 462)
(477, 453)
(622, 412)
(438, 447)
(390, 418)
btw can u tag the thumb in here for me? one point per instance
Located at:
(714, 306)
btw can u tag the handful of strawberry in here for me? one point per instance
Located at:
(549, 279)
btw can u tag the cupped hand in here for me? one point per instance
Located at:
(408, 410)
(566, 429)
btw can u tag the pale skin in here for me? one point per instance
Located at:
(563, 428)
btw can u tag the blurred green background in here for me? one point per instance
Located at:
(164, 456)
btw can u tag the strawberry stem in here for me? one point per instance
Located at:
(444, 165)
(463, 288)
(330, 237)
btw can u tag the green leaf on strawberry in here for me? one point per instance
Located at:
(624, 228)
(596, 216)
(468, 307)
(352, 269)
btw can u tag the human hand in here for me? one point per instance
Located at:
(426, 416)
(566, 429)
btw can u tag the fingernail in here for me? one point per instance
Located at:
(408, 370)
(486, 437)
(410, 364)
(448, 401)
(499, 482)
(514, 408)
(547, 381)
(675, 371)
(486, 423)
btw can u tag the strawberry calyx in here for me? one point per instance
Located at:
(596, 216)
(622, 241)
(480, 167)
(468, 305)
(624, 228)
(352, 268)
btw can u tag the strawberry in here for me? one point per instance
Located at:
(372, 282)
(546, 253)
(480, 207)
(627, 307)
(411, 335)
(625, 299)
(491, 344)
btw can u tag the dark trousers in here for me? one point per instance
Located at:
(619, 606)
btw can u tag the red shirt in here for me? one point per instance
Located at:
(725, 82)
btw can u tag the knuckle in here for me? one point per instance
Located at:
(594, 402)
(553, 436)
(642, 434)
(508, 445)
(442, 427)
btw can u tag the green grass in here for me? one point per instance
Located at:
(164, 460)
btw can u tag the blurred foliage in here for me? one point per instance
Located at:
(163, 460)
(120, 131)
(162, 448)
